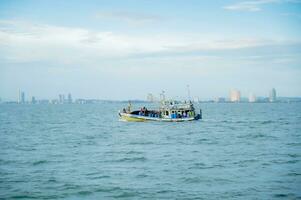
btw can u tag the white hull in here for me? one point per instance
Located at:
(132, 117)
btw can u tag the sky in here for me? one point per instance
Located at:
(125, 49)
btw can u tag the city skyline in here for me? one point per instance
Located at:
(125, 49)
(234, 96)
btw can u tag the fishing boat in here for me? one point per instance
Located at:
(169, 111)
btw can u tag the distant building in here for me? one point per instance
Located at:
(43, 101)
(80, 101)
(54, 101)
(69, 98)
(252, 98)
(219, 100)
(33, 100)
(21, 97)
(272, 95)
(196, 99)
(61, 98)
(235, 96)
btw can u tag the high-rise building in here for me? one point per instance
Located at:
(69, 98)
(252, 98)
(235, 96)
(33, 100)
(21, 97)
(272, 96)
(61, 98)
(219, 100)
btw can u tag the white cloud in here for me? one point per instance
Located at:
(255, 5)
(295, 15)
(251, 6)
(133, 18)
(27, 42)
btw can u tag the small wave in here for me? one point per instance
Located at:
(241, 122)
(294, 155)
(164, 191)
(285, 196)
(134, 152)
(194, 180)
(99, 177)
(292, 161)
(253, 136)
(126, 195)
(285, 161)
(39, 162)
(198, 166)
(110, 189)
(204, 166)
(85, 192)
(267, 122)
(4, 162)
(142, 175)
(245, 162)
(69, 186)
(203, 140)
(139, 143)
(293, 174)
(52, 180)
(223, 180)
(294, 144)
(131, 159)
(23, 197)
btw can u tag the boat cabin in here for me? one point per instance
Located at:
(177, 110)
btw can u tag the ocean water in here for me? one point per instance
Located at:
(237, 151)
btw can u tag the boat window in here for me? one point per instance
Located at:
(166, 113)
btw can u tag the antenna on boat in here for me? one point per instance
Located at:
(188, 91)
(162, 97)
(130, 106)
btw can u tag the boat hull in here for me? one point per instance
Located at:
(139, 118)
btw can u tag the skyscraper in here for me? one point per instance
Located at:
(21, 97)
(252, 98)
(235, 96)
(272, 96)
(69, 98)
(33, 100)
(61, 98)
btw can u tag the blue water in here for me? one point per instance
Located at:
(238, 151)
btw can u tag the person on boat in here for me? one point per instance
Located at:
(124, 111)
(179, 115)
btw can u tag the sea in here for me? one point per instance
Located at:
(237, 151)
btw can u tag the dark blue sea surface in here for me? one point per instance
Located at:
(237, 151)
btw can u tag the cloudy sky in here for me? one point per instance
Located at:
(128, 48)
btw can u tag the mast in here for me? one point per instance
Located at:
(188, 91)
(162, 97)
